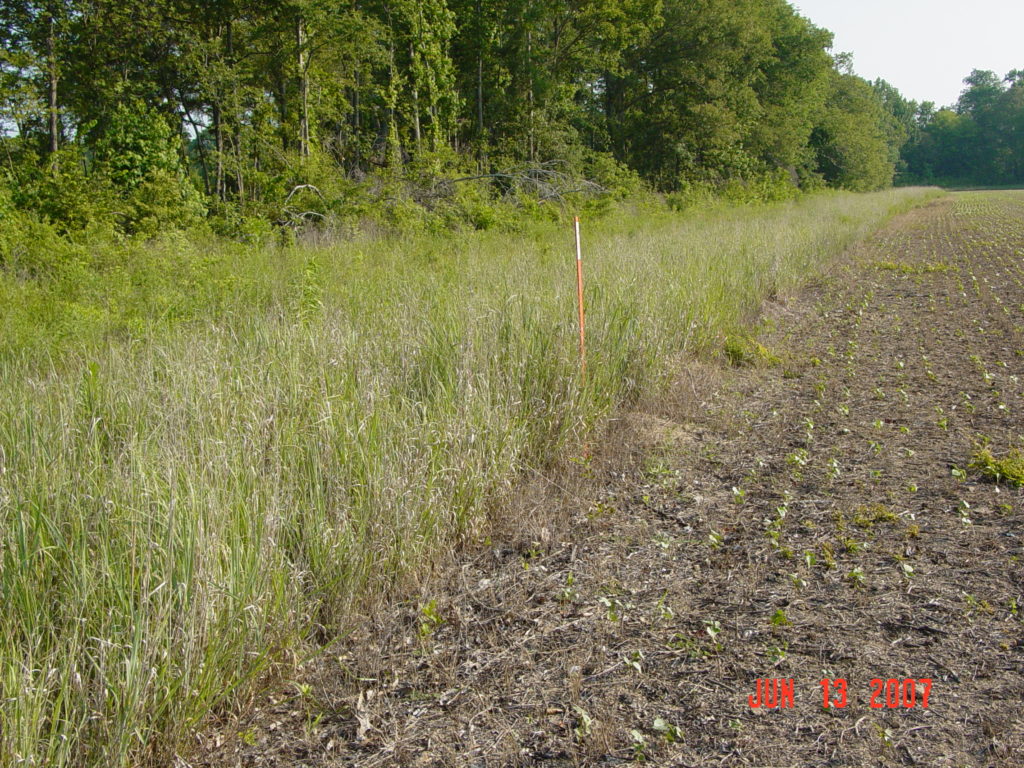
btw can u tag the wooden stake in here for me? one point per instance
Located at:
(579, 299)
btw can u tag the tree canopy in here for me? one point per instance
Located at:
(236, 103)
(979, 141)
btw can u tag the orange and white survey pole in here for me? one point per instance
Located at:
(579, 299)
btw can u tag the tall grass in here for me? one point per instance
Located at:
(184, 503)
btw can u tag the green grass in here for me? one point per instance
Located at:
(210, 451)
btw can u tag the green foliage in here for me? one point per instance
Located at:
(161, 201)
(132, 145)
(377, 104)
(850, 139)
(741, 350)
(977, 142)
(1009, 469)
(61, 192)
(137, 152)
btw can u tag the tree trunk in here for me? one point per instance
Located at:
(51, 55)
(218, 133)
(479, 71)
(480, 95)
(303, 63)
(532, 153)
(416, 132)
(199, 146)
(394, 145)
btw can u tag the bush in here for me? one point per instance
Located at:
(138, 153)
(163, 201)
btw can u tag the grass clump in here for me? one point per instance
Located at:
(743, 351)
(867, 516)
(1009, 469)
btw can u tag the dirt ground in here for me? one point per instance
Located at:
(809, 512)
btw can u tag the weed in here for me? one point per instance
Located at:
(866, 516)
(1009, 469)
(828, 558)
(430, 618)
(744, 351)
(693, 649)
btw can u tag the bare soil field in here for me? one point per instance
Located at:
(817, 509)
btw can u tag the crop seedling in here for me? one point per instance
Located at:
(638, 742)
(714, 629)
(798, 458)
(669, 731)
(856, 577)
(635, 661)
(584, 723)
(568, 593)
(664, 609)
(693, 649)
(964, 509)
(614, 608)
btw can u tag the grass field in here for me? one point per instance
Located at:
(209, 457)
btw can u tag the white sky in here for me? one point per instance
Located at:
(924, 47)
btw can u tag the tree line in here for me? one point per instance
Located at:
(977, 142)
(169, 111)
